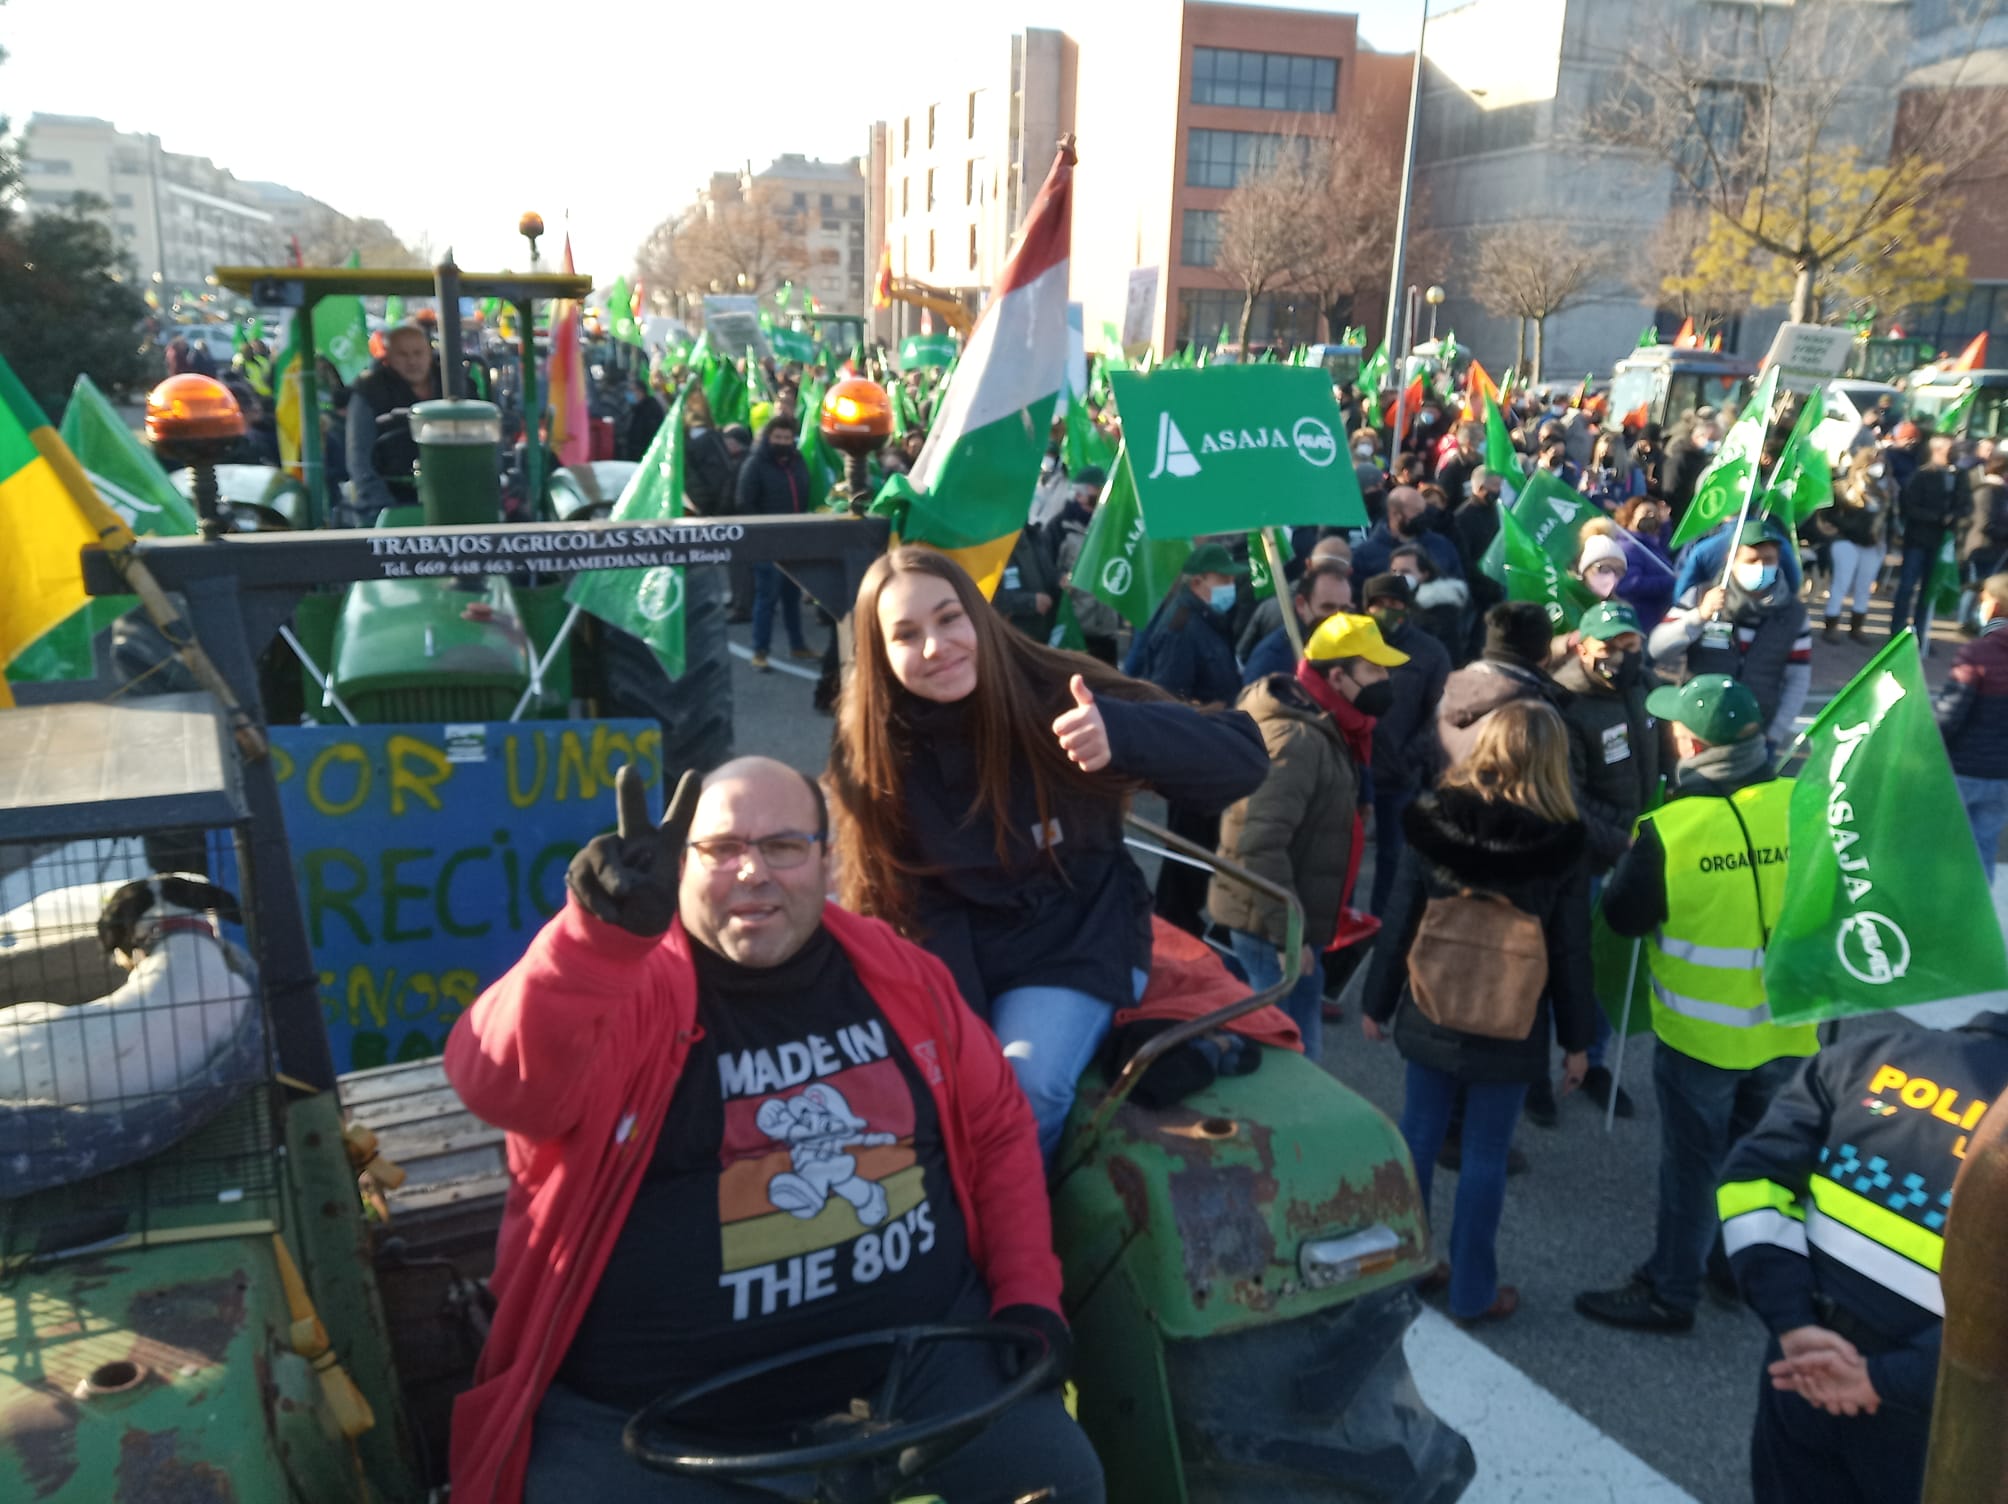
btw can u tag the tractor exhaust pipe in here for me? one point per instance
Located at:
(446, 288)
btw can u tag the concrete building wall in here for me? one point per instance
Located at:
(177, 216)
(1138, 116)
(983, 142)
(825, 204)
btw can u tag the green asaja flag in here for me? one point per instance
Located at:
(918, 350)
(1554, 517)
(1230, 448)
(1954, 415)
(1724, 486)
(393, 309)
(130, 481)
(1803, 481)
(793, 344)
(1261, 583)
(620, 314)
(342, 332)
(1525, 572)
(1501, 458)
(1087, 443)
(1373, 376)
(647, 603)
(1119, 563)
(1885, 903)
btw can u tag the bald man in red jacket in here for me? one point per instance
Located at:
(742, 1122)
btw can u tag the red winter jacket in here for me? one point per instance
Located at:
(576, 1053)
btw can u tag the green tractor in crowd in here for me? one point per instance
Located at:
(279, 1299)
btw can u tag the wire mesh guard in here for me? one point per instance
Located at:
(133, 1043)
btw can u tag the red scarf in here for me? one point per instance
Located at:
(1356, 729)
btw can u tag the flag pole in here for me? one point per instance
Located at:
(1624, 1033)
(1290, 623)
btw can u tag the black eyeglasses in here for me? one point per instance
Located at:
(780, 851)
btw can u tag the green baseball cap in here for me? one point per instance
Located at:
(1713, 706)
(1755, 532)
(1213, 558)
(1608, 619)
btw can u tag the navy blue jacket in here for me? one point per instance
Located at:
(1371, 554)
(1188, 651)
(1272, 655)
(1856, 1125)
(1974, 717)
(1022, 920)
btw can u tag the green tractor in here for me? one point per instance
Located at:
(441, 650)
(280, 1303)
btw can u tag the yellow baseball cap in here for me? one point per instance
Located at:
(1343, 636)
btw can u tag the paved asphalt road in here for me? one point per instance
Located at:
(1581, 1217)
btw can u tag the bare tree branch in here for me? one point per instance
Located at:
(1533, 270)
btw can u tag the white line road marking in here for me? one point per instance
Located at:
(779, 665)
(1531, 1448)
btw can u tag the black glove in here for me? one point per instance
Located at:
(1049, 1324)
(629, 878)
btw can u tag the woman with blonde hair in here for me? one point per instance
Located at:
(1487, 933)
(980, 781)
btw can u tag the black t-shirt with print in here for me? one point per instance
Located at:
(799, 1191)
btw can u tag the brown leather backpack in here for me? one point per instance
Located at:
(1479, 965)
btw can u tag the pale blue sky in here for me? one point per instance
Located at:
(614, 109)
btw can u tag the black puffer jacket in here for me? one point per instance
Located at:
(1613, 753)
(1974, 715)
(1022, 921)
(772, 480)
(1457, 840)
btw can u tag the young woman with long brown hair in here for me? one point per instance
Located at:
(1502, 824)
(980, 781)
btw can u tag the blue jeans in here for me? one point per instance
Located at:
(1491, 1110)
(1911, 578)
(1703, 1109)
(576, 1454)
(1389, 843)
(1049, 1035)
(1986, 801)
(770, 586)
(1305, 1003)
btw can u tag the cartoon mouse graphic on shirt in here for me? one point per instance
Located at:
(818, 1126)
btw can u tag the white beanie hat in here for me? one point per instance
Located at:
(1601, 550)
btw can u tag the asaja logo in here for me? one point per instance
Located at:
(1116, 576)
(1872, 948)
(1314, 441)
(1173, 453)
(660, 593)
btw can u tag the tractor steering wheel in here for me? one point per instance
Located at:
(859, 1457)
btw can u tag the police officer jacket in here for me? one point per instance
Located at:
(1834, 1207)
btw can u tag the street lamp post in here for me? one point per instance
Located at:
(1434, 297)
(1394, 286)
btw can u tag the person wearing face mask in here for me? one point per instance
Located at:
(1367, 470)
(1267, 617)
(1404, 760)
(1648, 583)
(709, 476)
(1602, 563)
(1855, 528)
(1554, 459)
(1322, 591)
(1442, 607)
(1614, 758)
(1404, 523)
(1702, 886)
(1188, 652)
(1754, 630)
(1686, 458)
(1454, 474)
(775, 480)
(1300, 828)
(1477, 520)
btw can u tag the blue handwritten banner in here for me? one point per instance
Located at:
(428, 856)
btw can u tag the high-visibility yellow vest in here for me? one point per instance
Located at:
(1725, 884)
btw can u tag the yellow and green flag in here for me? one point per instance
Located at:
(48, 512)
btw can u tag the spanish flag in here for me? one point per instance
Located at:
(48, 513)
